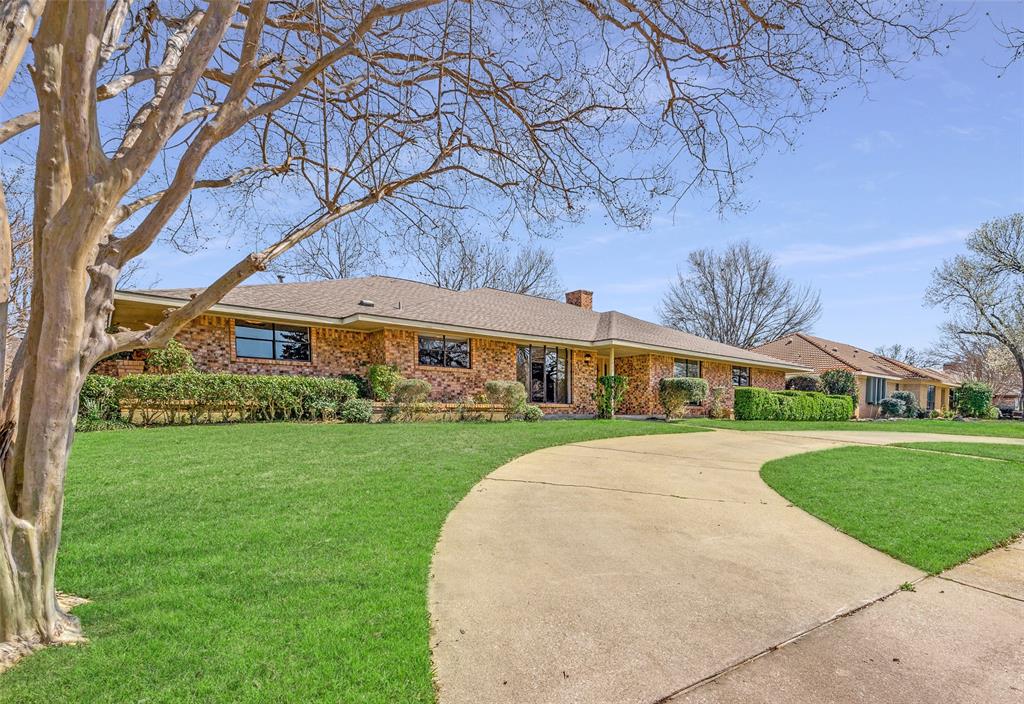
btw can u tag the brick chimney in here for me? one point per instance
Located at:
(580, 298)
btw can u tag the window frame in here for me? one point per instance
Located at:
(525, 363)
(749, 374)
(878, 384)
(444, 339)
(686, 368)
(273, 340)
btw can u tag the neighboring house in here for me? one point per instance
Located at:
(877, 376)
(1005, 387)
(456, 340)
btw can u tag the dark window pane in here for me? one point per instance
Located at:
(561, 387)
(457, 353)
(261, 349)
(258, 331)
(551, 374)
(523, 367)
(679, 368)
(431, 351)
(537, 382)
(741, 376)
(296, 350)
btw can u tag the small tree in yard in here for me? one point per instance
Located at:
(402, 110)
(974, 399)
(839, 382)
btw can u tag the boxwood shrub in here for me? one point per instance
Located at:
(973, 399)
(754, 403)
(193, 397)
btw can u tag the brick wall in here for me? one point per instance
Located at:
(647, 370)
(334, 352)
(584, 382)
(490, 360)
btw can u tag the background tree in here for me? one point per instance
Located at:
(340, 251)
(458, 260)
(907, 355)
(982, 359)
(738, 297)
(983, 290)
(524, 111)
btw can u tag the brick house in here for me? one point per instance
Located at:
(456, 340)
(877, 376)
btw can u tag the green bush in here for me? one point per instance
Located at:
(409, 400)
(892, 408)
(97, 401)
(717, 406)
(610, 390)
(973, 399)
(362, 388)
(994, 413)
(677, 391)
(382, 378)
(532, 413)
(356, 410)
(194, 397)
(839, 382)
(510, 396)
(172, 359)
(803, 382)
(754, 403)
(910, 405)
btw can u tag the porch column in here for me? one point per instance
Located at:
(611, 372)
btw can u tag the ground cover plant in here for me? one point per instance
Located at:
(265, 563)
(932, 510)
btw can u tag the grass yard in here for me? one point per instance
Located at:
(265, 563)
(931, 510)
(991, 428)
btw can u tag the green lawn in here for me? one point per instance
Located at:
(994, 428)
(264, 563)
(929, 510)
(1012, 453)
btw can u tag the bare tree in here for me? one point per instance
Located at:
(974, 358)
(338, 252)
(737, 297)
(458, 260)
(983, 290)
(534, 110)
(907, 355)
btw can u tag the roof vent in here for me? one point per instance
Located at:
(366, 302)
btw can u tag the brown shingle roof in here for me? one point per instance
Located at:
(821, 354)
(484, 309)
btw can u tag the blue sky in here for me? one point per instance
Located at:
(873, 195)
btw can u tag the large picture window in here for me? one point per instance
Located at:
(444, 352)
(741, 376)
(875, 390)
(686, 367)
(272, 341)
(544, 371)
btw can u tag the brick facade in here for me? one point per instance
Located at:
(336, 352)
(645, 371)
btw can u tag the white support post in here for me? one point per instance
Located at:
(611, 372)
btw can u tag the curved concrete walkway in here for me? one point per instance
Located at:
(661, 568)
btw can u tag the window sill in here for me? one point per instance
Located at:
(431, 367)
(279, 362)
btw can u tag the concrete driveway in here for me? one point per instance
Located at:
(661, 568)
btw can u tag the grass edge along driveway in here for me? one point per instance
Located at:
(265, 562)
(931, 510)
(990, 428)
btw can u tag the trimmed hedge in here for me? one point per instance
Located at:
(510, 396)
(754, 403)
(193, 397)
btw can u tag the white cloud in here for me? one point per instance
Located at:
(842, 252)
